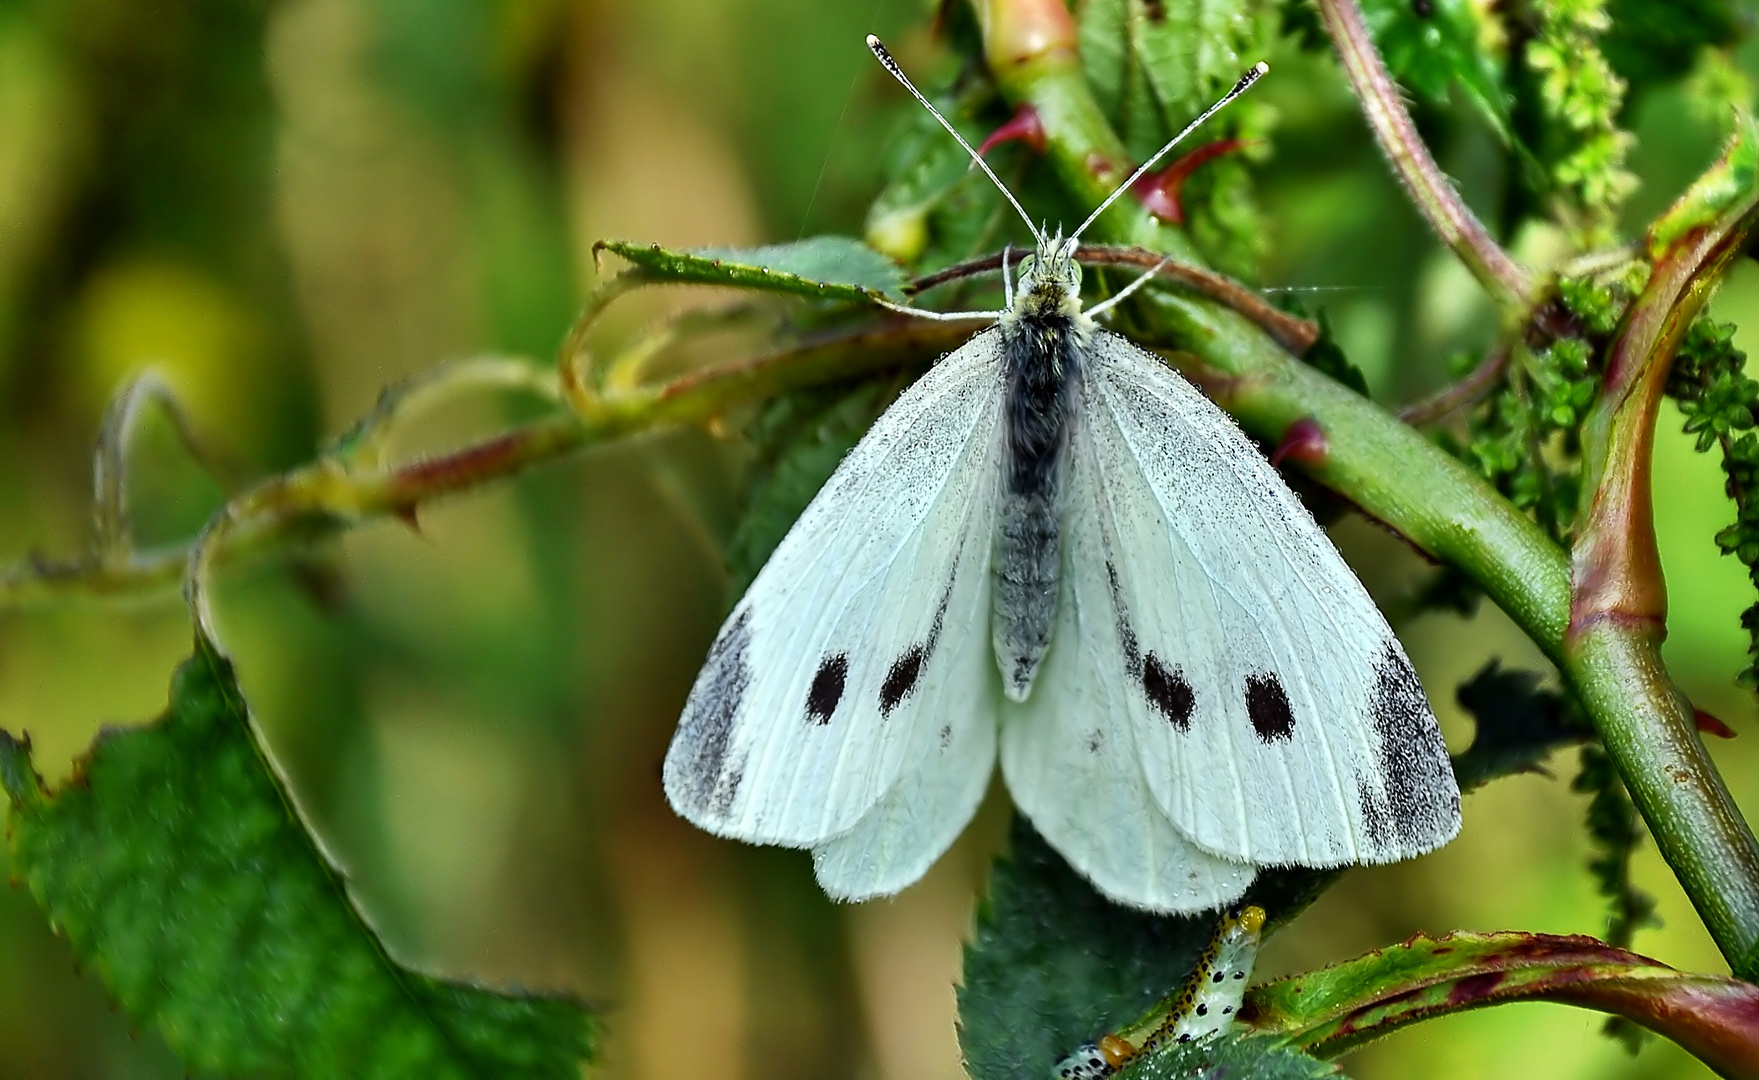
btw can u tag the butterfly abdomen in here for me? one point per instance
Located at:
(1040, 356)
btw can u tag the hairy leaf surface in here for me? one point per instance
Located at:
(800, 438)
(820, 267)
(178, 869)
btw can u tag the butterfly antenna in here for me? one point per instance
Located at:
(885, 58)
(1258, 71)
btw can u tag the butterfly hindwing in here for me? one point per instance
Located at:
(804, 717)
(1071, 754)
(1278, 718)
(949, 758)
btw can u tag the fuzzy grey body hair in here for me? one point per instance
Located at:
(1043, 339)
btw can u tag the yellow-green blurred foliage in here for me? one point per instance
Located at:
(283, 206)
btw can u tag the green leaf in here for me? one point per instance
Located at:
(800, 438)
(177, 868)
(935, 209)
(1054, 965)
(1176, 60)
(1431, 46)
(1252, 1056)
(1192, 51)
(1727, 184)
(1328, 357)
(820, 267)
(1340, 1007)
(1517, 724)
(1655, 41)
(1104, 36)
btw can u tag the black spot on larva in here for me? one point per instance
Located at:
(1202, 1009)
(827, 688)
(1218, 977)
(1239, 974)
(1185, 1036)
(1267, 704)
(707, 725)
(1421, 796)
(1168, 691)
(1226, 1009)
(901, 679)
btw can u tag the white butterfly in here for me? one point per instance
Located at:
(1054, 543)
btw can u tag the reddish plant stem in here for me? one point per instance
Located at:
(1430, 189)
(1466, 392)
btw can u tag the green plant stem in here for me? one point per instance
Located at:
(1618, 612)
(335, 493)
(1429, 187)
(1332, 1010)
(1386, 468)
(1033, 53)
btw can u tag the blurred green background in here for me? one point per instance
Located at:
(284, 206)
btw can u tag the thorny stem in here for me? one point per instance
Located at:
(1468, 391)
(112, 525)
(1430, 189)
(350, 486)
(1612, 652)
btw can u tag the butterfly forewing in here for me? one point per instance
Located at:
(1277, 717)
(804, 717)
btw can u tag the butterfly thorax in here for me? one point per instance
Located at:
(1043, 339)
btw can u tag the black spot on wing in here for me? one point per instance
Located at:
(706, 728)
(940, 611)
(1126, 632)
(906, 670)
(827, 688)
(1168, 691)
(1420, 793)
(1267, 704)
(901, 679)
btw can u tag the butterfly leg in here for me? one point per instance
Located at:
(1123, 294)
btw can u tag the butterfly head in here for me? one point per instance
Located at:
(1050, 279)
